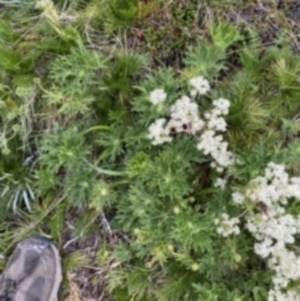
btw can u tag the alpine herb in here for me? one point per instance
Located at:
(184, 118)
(271, 225)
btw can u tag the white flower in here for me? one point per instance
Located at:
(207, 115)
(220, 183)
(197, 125)
(184, 114)
(227, 226)
(194, 92)
(220, 169)
(237, 198)
(214, 119)
(207, 142)
(217, 124)
(158, 96)
(201, 86)
(273, 228)
(175, 126)
(264, 248)
(212, 144)
(221, 106)
(157, 133)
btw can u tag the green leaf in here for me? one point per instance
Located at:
(204, 59)
(224, 34)
(10, 60)
(7, 34)
(70, 34)
(290, 125)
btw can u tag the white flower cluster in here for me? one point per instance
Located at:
(212, 143)
(274, 228)
(158, 96)
(227, 226)
(270, 224)
(238, 198)
(274, 187)
(290, 295)
(157, 133)
(184, 117)
(221, 183)
(200, 86)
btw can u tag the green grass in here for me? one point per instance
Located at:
(75, 161)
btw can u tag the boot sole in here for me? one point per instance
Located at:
(58, 274)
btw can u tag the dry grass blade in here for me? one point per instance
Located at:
(74, 290)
